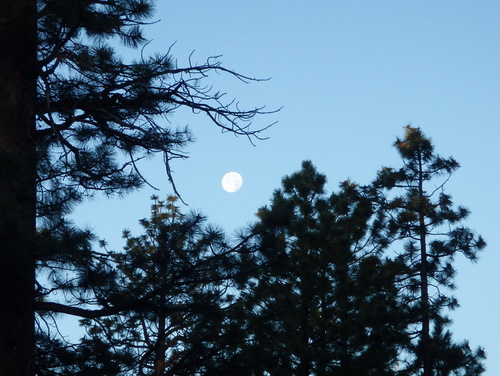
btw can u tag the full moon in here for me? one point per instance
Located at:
(232, 182)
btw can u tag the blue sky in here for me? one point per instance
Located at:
(349, 75)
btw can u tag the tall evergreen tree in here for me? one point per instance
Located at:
(180, 271)
(323, 302)
(75, 118)
(424, 217)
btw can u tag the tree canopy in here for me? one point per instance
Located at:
(323, 300)
(175, 278)
(423, 216)
(356, 282)
(75, 118)
(321, 284)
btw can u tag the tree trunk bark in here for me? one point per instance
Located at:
(424, 285)
(18, 74)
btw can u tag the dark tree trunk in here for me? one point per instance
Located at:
(345, 360)
(304, 366)
(17, 185)
(424, 286)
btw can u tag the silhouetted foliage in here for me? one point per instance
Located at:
(423, 216)
(75, 118)
(308, 290)
(322, 300)
(176, 278)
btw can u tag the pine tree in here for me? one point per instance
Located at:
(176, 275)
(424, 217)
(74, 119)
(323, 302)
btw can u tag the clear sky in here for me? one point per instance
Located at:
(349, 75)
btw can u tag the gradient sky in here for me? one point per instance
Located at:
(349, 75)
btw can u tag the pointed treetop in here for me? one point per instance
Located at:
(305, 182)
(414, 143)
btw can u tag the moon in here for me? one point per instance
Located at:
(232, 182)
